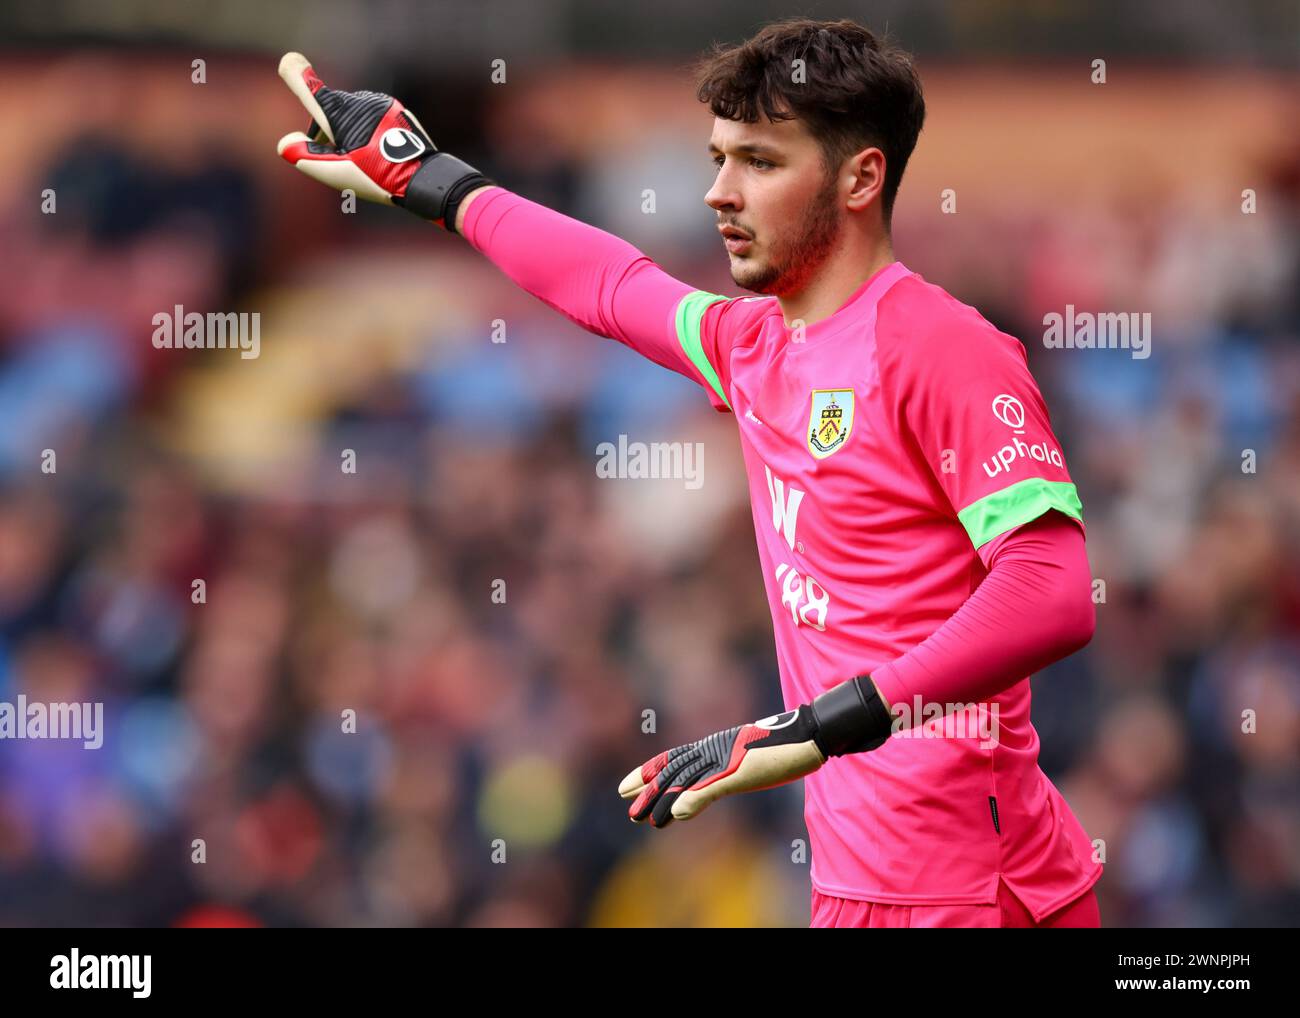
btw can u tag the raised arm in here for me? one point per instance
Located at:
(594, 278)
(370, 143)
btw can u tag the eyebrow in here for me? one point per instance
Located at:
(748, 149)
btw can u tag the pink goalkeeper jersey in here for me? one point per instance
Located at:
(882, 450)
(883, 447)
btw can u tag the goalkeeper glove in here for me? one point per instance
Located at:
(678, 784)
(371, 143)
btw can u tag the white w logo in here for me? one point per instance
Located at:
(785, 509)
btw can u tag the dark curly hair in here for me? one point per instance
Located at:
(856, 90)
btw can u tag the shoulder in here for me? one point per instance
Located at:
(922, 331)
(738, 314)
(716, 322)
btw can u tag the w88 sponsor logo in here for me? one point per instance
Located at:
(807, 599)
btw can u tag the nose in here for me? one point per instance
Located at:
(723, 193)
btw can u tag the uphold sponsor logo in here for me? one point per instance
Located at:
(34, 720)
(1011, 412)
(75, 971)
(1008, 454)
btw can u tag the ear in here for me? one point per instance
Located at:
(868, 169)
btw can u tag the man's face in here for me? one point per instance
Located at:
(773, 190)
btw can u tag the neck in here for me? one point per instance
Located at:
(837, 281)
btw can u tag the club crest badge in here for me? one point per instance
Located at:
(830, 422)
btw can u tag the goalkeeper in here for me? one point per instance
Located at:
(921, 541)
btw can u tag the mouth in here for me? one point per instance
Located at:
(736, 240)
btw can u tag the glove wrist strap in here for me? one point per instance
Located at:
(438, 188)
(851, 718)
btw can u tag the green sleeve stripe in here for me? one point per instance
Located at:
(1016, 504)
(690, 312)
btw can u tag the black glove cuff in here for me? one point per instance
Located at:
(438, 188)
(851, 718)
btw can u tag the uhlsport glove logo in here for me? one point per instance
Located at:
(398, 145)
(778, 721)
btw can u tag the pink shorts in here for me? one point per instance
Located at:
(1008, 913)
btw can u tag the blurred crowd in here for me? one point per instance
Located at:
(405, 694)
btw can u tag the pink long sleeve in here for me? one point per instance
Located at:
(1033, 608)
(594, 278)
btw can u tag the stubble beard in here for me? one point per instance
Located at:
(795, 258)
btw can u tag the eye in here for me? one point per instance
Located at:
(717, 161)
(755, 163)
